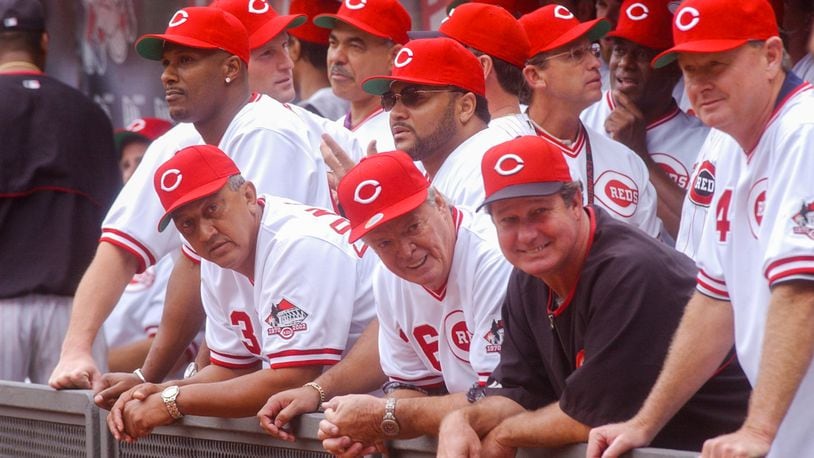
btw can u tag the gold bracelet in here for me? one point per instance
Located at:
(319, 389)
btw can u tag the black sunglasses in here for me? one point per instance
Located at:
(409, 97)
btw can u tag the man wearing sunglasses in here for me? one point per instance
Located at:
(639, 111)
(562, 73)
(439, 114)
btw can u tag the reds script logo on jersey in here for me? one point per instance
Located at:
(804, 220)
(494, 337)
(673, 168)
(617, 192)
(757, 205)
(458, 336)
(286, 319)
(703, 186)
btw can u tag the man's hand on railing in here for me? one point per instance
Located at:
(75, 370)
(112, 385)
(611, 441)
(115, 420)
(457, 439)
(285, 406)
(144, 412)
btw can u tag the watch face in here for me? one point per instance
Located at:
(390, 427)
(170, 392)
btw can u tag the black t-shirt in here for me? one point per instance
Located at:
(600, 351)
(58, 176)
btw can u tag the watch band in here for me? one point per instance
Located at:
(390, 426)
(168, 396)
(319, 390)
(140, 375)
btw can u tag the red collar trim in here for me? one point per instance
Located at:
(364, 120)
(440, 293)
(574, 149)
(805, 86)
(567, 301)
(609, 99)
(670, 115)
(254, 97)
(22, 72)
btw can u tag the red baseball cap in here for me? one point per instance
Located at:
(260, 19)
(645, 22)
(435, 62)
(380, 188)
(194, 172)
(553, 26)
(312, 8)
(198, 27)
(489, 29)
(382, 18)
(143, 129)
(524, 167)
(708, 26)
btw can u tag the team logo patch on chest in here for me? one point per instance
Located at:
(457, 334)
(286, 319)
(804, 220)
(757, 205)
(703, 185)
(617, 192)
(494, 337)
(673, 168)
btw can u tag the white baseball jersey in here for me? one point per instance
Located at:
(317, 125)
(310, 298)
(460, 179)
(621, 181)
(375, 127)
(513, 125)
(760, 234)
(450, 337)
(268, 143)
(699, 195)
(804, 68)
(673, 141)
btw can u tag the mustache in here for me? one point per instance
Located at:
(403, 125)
(340, 70)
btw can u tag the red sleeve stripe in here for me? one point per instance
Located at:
(230, 365)
(227, 355)
(142, 265)
(305, 360)
(710, 280)
(190, 253)
(415, 380)
(712, 292)
(797, 274)
(312, 362)
(783, 267)
(318, 351)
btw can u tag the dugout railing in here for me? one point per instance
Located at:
(37, 421)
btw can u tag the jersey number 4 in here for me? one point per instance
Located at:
(722, 221)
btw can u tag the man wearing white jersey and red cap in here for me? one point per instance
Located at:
(205, 52)
(365, 37)
(563, 75)
(280, 284)
(755, 283)
(639, 111)
(501, 46)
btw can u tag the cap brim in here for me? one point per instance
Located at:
(698, 47)
(328, 21)
(378, 85)
(420, 34)
(122, 137)
(202, 191)
(274, 27)
(152, 46)
(523, 190)
(593, 30)
(635, 40)
(388, 214)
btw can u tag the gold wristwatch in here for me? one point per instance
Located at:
(168, 396)
(390, 426)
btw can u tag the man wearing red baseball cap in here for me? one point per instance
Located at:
(439, 114)
(132, 141)
(280, 284)
(438, 292)
(755, 267)
(586, 295)
(205, 52)
(639, 111)
(365, 37)
(562, 73)
(500, 44)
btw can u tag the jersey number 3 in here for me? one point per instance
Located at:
(241, 319)
(722, 222)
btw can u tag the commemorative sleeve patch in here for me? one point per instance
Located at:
(804, 220)
(286, 319)
(494, 336)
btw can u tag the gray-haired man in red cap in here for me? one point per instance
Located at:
(755, 285)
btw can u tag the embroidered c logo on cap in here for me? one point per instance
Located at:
(637, 12)
(377, 190)
(168, 174)
(178, 18)
(518, 164)
(682, 24)
(563, 12)
(351, 5)
(262, 9)
(403, 58)
(137, 125)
